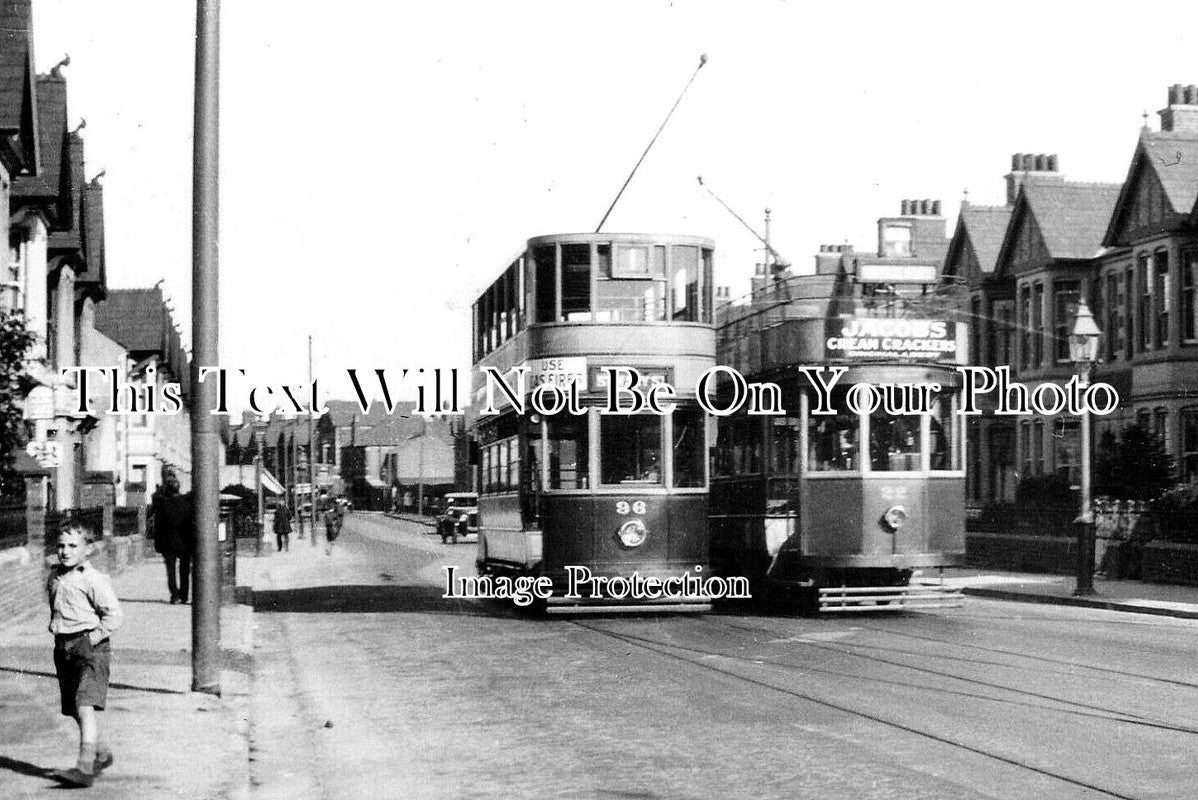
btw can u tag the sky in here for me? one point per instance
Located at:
(382, 162)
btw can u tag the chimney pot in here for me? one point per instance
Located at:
(1192, 95)
(1052, 163)
(1176, 94)
(904, 208)
(925, 207)
(1029, 162)
(1041, 163)
(1017, 162)
(935, 208)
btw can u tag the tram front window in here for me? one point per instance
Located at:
(894, 443)
(833, 443)
(568, 452)
(630, 449)
(689, 426)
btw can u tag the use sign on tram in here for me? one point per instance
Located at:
(561, 370)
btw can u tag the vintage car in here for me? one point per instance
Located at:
(460, 518)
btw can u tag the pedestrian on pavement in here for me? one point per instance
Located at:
(299, 519)
(332, 523)
(84, 613)
(174, 537)
(282, 528)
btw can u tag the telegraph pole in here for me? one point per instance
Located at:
(311, 448)
(205, 442)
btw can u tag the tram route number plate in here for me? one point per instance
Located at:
(624, 507)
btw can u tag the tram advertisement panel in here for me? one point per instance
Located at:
(869, 338)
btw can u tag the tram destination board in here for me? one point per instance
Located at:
(877, 339)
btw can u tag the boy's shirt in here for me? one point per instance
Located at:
(82, 599)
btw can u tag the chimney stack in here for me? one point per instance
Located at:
(1181, 115)
(1031, 167)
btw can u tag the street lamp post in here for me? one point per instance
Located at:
(260, 435)
(1083, 352)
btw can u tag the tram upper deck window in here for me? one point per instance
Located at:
(576, 282)
(545, 259)
(568, 452)
(630, 449)
(686, 270)
(631, 288)
(894, 442)
(689, 451)
(785, 448)
(833, 441)
(943, 434)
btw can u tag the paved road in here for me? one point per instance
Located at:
(433, 698)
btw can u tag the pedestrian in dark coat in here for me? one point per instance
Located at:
(174, 536)
(282, 528)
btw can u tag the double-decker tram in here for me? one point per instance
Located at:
(611, 508)
(841, 508)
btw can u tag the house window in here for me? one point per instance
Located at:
(1025, 327)
(1025, 448)
(1114, 316)
(1038, 324)
(1038, 447)
(1160, 424)
(1065, 296)
(1145, 316)
(1189, 444)
(1129, 314)
(1161, 288)
(13, 284)
(975, 319)
(1189, 284)
(1067, 446)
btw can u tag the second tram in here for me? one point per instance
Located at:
(841, 509)
(615, 497)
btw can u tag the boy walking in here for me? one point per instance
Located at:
(84, 613)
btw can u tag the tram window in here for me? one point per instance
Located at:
(746, 446)
(546, 269)
(576, 282)
(488, 477)
(941, 433)
(500, 461)
(689, 452)
(568, 454)
(513, 464)
(785, 446)
(630, 301)
(630, 449)
(833, 442)
(894, 443)
(684, 294)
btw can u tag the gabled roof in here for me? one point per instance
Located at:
(982, 228)
(18, 90)
(91, 223)
(1072, 217)
(1172, 157)
(136, 319)
(52, 136)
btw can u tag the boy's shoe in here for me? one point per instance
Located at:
(103, 762)
(74, 776)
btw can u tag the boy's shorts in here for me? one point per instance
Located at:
(82, 671)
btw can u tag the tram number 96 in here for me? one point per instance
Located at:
(624, 507)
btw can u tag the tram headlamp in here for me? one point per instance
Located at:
(633, 533)
(895, 517)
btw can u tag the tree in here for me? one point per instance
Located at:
(15, 340)
(1134, 467)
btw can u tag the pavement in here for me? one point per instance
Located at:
(1135, 597)
(170, 742)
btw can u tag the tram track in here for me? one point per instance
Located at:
(701, 659)
(1079, 709)
(1031, 657)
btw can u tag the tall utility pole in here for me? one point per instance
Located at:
(311, 447)
(205, 442)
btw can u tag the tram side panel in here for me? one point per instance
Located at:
(503, 540)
